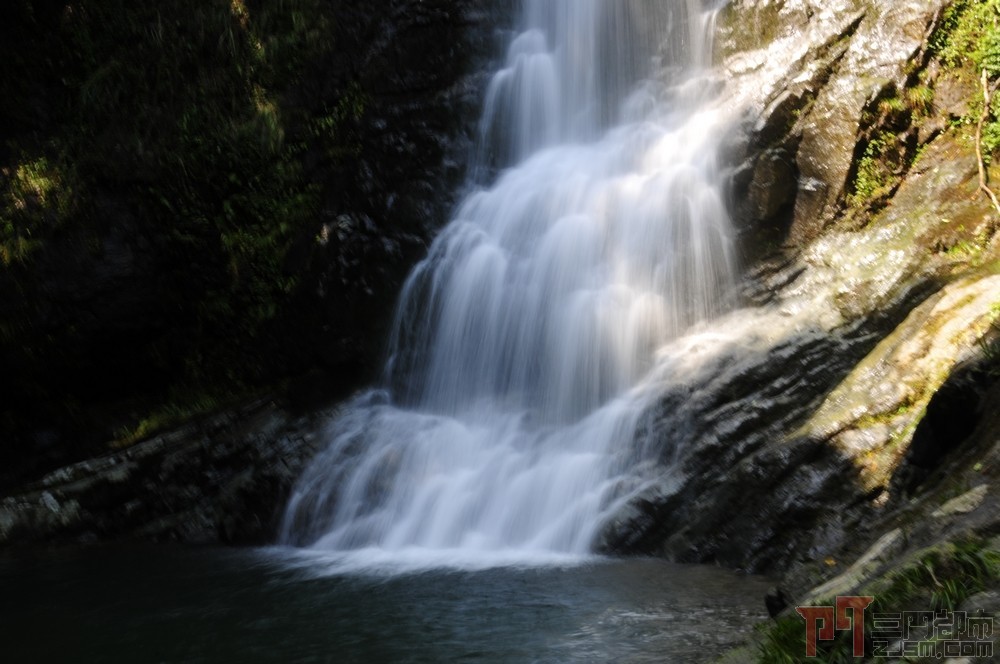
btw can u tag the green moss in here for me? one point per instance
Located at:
(175, 412)
(963, 250)
(887, 150)
(991, 131)
(877, 419)
(334, 130)
(965, 41)
(969, 34)
(873, 177)
(183, 405)
(968, 40)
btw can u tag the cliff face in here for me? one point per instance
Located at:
(857, 390)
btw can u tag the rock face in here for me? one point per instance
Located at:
(224, 479)
(807, 85)
(861, 373)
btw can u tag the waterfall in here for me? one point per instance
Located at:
(508, 411)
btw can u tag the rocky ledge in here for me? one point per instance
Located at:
(222, 479)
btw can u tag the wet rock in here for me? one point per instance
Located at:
(780, 460)
(773, 185)
(963, 504)
(985, 603)
(889, 38)
(776, 601)
(776, 81)
(808, 84)
(902, 374)
(224, 479)
(884, 551)
(951, 417)
(784, 444)
(736, 466)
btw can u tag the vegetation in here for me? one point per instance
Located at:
(888, 147)
(969, 33)
(174, 179)
(966, 42)
(37, 196)
(939, 579)
(969, 40)
(163, 124)
(873, 178)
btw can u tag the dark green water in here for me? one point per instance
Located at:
(171, 604)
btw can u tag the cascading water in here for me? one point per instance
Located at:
(510, 402)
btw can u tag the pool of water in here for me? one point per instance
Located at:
(180, 604)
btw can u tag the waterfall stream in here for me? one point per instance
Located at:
(506, 420)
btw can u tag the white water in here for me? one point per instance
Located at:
(508, 420)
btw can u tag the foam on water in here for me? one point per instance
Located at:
(381, 562)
